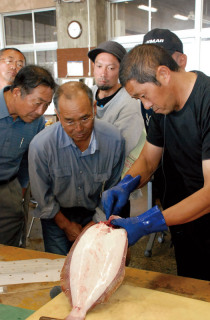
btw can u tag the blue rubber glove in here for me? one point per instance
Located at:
(146, 223)
(114, 199)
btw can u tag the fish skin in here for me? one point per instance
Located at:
(101, 231)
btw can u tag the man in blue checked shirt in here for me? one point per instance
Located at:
(70, 164)
(21, 108)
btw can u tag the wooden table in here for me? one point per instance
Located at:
(34, 295)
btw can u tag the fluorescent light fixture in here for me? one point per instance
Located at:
(118, 1)
(180, 17)
(146, 8)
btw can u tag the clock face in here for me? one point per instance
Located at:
(74, 29)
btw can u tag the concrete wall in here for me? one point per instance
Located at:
(20, 5)
(90, 13)
(96, 26)
(94, 29)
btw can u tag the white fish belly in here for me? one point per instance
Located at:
(95, 264)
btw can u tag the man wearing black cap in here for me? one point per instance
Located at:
(173, 45)
(168, 190)
(114, 104)
(180, 123)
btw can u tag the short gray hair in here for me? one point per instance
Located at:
(69, 90)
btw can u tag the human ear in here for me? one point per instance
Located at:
(182, 61)
(16, 92)
(57, 113)
(163, 74)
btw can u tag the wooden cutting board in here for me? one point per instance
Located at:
(133, 303)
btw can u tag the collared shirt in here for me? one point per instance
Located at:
(63, 176)
(15, 138)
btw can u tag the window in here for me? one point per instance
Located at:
(190, 20)
(34, 33)
(137, 16)
(18, 29)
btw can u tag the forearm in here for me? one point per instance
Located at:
(189, 209)
(141, 167)
(71, 229)
(146, 164)
(62, 222)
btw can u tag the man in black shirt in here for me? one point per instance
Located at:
(180, 123)
(167, 181)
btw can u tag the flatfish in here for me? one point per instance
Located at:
(94, 268)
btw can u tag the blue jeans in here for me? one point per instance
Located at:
(55, 239)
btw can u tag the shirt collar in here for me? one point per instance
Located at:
(92, 145)
(65, 141)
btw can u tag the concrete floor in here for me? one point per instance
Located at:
(161, 260)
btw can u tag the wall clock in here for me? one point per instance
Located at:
(74, 29)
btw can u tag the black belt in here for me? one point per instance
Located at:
(8, 180)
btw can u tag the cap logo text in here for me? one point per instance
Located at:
(155, 41)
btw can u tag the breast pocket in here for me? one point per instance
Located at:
(61, 179)
(99, 180)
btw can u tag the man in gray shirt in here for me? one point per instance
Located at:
(70, 164)
(114, 104)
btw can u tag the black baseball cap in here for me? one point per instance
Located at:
(164, 38)
(112, 47)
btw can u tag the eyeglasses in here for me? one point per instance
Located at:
(82, 121)
(10, 61)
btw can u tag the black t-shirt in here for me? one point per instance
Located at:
(186, 135)
(101, 102)
(167, 181)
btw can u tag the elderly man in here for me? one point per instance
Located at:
(114, 104)
(70, 164)
(11, 61)
(180, 122)
(22, 106)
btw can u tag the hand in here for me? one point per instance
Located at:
(73, 230)
(114, 199)
(146, 223)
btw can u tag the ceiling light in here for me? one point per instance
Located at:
(146, 8)
(180, 17)
(118, 1)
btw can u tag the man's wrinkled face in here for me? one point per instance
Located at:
(157, 98)
(11, 62)
(106, 71)
(77, 117)
(31, 106)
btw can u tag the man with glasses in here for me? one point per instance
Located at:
(21, 108)
(11, 61)
(70, 164)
